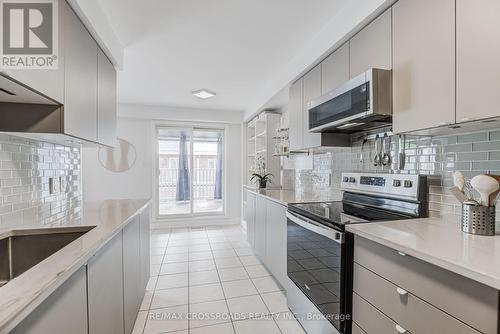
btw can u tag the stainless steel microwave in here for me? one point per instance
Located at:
(362, 103)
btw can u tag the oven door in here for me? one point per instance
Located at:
(315, 268)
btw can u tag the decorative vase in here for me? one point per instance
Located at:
(262, 184)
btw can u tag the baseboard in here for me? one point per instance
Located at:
(194, 222)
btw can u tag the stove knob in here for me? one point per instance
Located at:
(352, 180)
(345, 179)
(396, 183)
(408, 184)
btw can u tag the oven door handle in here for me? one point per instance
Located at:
(315, 227)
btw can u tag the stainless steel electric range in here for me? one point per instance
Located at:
(320, 252)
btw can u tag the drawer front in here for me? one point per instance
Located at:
(412, 313)
(356, 329)
(445, 290)
(369, 318)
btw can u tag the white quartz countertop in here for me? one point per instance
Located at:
(23, 294)
(285, 197)
(440, 242)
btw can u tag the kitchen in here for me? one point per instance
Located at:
(354, 191)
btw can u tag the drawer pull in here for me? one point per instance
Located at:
(400, 330)
(402, 291)
(307, 287)
(402, 254)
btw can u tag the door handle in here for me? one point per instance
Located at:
(401, 291)
(401, 330)
(402, 254)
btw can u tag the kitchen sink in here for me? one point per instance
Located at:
(22, 249)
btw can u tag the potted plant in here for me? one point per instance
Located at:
(260, 175)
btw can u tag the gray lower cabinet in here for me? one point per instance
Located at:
(64, 311)
(276, 241)
(407, 290)
(260, 227)
(266, 233)
(250, 218)
(103, 296)
(145, 244)
(105, 289)
(132, 294)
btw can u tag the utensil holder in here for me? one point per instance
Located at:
(478, 219)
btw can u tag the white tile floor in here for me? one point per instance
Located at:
(207, 280)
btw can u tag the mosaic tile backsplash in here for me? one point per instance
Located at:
(437, 157)
(25, 168)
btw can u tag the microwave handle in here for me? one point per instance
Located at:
(315, 227)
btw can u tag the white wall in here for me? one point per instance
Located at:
(135, 124)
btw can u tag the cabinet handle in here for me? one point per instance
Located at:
(444, 123)
(402, 291)
(400, 330)
(467, 119)
(402, 254)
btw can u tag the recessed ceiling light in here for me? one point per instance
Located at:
(203, 94)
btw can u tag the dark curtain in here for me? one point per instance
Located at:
(183, 189)
(218, 171)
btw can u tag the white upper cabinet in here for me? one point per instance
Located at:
(372, 46)
(335, 69)
(295, 107)
(478, 55)
(80, 105)
(312, 90)
(106, 100)
(423, 64)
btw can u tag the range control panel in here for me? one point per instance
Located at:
(389, 184)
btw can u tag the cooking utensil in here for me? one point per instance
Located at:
(459, 194)
(361, 157)
(459, 180)
(485, 186)
(386, 148)
(378, 153)
(402, 152)
(494, 196)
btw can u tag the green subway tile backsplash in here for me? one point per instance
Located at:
(437, 157)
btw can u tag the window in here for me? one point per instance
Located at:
(190, 178)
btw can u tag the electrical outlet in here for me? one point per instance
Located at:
(62, 183)
(54, 185)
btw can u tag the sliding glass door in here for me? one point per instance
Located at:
(190, 171)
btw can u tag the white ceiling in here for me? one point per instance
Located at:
(231, 47)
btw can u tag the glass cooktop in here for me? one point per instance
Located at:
(341, 213)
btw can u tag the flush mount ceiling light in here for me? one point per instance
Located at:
(203, 94)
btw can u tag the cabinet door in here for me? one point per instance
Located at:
(106, 100)
(312, 90)
(335, 69)
(64, 311)
(131, 273)
(423, 64)
(478, 52)
(145, 244)
(276, 240)
(47, 82)
(295, 118)
(372, 46)
(260, 227)
(80, 103)
(250, 218)
(105, 289)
